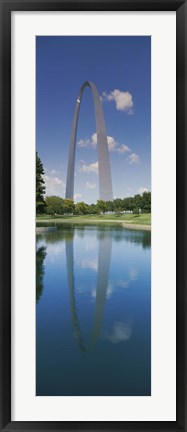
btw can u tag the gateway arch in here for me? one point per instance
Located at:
(105, 181)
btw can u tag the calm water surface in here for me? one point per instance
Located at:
(93, 314)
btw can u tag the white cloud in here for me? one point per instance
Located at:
(54, 185)
(77, 195)
(54, 172)
(123, 149)
(58, 181)
(84, 143)
(92, 142)
(133, 158)
(90, 185)
(88, 142)
(142, 189)
(131, 111)
(93, 167)
(111, 143)
(123, 100)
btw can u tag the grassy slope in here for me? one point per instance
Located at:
(143, 219)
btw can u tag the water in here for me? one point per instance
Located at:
(93, 314)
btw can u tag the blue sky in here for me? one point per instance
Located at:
(120, 67)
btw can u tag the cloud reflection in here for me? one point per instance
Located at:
(120, 332)
(89, 264)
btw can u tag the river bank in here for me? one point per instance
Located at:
(141, 222)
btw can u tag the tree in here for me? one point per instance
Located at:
(101, 204)
(128, 203)
(81, 208)
(137, 202)
(54, 205)
(118, 205)
(68, 206)
(146, 202)
(136, 210)
(40, 186)
(110, 206)
(93, 209)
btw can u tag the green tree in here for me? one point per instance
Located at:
(128, 203)
(110, 206)
(118, 205)
(68, 206)
(81, 208)
(40, 186)
(146, 202)
(93, 209)
(101, 204)
(54, 205)
(136, 210)
(137, 202)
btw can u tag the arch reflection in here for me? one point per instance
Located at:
(104, 257)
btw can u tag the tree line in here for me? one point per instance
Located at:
(54, 205)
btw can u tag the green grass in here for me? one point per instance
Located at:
(143, 219)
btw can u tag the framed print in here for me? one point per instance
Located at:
(93, 212)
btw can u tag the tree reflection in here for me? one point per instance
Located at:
(141, 237)
(40, 269)
(64, 232)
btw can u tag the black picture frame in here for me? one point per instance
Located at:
(6, 7)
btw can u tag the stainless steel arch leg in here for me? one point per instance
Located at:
(105, 181)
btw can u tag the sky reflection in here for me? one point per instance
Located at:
(93, 311)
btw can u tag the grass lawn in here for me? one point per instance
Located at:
(142, 219)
